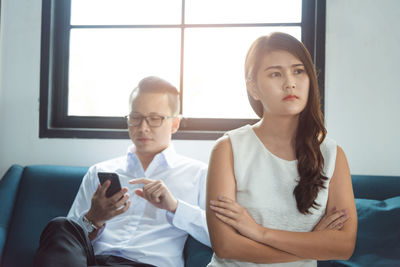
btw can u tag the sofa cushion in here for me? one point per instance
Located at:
(196, 254)
(44, 192)
(378, 235)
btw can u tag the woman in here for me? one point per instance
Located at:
(279, 191)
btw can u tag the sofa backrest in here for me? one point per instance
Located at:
(378, 211)
(30, 197)
(378, 187)
(44, 192)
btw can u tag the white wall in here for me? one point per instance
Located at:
(362, 87)
(363, 82)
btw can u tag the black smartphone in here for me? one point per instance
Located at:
(115, 185)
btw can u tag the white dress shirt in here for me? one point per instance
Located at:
(145, 233)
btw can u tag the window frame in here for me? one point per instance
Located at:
(53, 119)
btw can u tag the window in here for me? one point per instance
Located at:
(94, 52)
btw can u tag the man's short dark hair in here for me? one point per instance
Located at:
(153, 84)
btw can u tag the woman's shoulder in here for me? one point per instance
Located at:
(329, 150)
(221, 157)
(223, 144)
(241, 137)
(239, 131)
(233, 143)
(329, 144)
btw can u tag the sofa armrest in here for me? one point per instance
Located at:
(8, 192)
(44, 192)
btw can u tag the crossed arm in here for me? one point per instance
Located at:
(234, 234)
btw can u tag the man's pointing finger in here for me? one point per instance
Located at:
(141, 181)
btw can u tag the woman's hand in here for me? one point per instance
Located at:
(231, 213)
(334, 220)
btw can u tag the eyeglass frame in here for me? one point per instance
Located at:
(147, 121)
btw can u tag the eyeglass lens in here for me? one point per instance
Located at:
(153, 121)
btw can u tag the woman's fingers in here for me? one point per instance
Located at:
(335, 220)
(223, 204)
(226, 212)
(225, 199)
(226, 219)
(332, 218)
(339, 222)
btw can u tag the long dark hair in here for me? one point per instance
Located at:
(311, 131)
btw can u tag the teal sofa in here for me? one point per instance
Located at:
(30, 196)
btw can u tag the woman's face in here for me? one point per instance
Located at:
(281, 84)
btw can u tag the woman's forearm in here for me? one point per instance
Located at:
(237, 247)
(319, 245)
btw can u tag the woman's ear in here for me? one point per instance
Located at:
(252, 89)
(175, 124)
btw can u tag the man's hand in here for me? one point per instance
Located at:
(103, 208)
(333, 220)
(157, 193)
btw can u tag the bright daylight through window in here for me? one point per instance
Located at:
(107, 46)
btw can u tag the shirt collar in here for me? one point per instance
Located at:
(168, 157)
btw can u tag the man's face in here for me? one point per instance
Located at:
(150, 141)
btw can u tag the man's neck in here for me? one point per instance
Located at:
(145, 159)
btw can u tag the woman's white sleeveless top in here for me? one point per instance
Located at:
(265, 185)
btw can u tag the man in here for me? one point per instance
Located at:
(146, 223)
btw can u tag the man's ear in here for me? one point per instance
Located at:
(175, 124)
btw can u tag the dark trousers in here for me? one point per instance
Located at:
(64, 243)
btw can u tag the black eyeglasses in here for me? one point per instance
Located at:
(152, 120)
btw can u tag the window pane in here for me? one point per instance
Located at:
(242, 11)
(125, 12)
(106, 64)
(214, 84)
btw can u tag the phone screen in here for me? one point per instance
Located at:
(115, 184)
